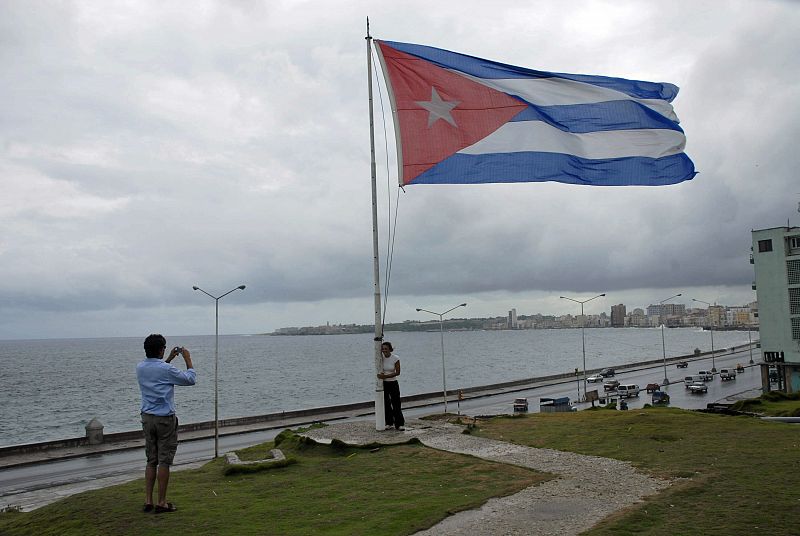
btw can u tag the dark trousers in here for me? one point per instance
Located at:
(391, 404)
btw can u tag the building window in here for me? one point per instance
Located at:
(793, 271)
(765, 245)
(796, 328)
(794, 243)
(794, 301)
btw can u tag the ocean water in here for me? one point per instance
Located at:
(50, 389)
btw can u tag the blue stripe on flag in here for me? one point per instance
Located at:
(543, 167)
(581, 118)
(482, 68)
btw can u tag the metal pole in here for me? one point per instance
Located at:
(664, 351)
(583, 347)
(713, 366)
(380, 418)
(444, 383)
(441, 333)
(663, 345)
(216, 360)
(583, 340)
(216, 377)
(750, 340)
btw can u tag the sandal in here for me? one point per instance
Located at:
(164, 509)
(147, 508)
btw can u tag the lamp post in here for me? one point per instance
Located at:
(441, 333)
(711, 329)
(216, 361)
(663, 345)
(583, 336)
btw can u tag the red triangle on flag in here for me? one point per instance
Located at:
(440, 112)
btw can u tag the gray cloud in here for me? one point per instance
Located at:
(145, 148)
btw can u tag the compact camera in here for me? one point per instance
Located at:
(178, 349)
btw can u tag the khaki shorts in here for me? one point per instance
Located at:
(160, 438)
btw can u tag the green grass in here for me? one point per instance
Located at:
(774, 403)
(739, 475)
(330, 490)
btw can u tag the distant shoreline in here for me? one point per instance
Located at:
(432, 327)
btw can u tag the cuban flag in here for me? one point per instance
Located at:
(466, 120)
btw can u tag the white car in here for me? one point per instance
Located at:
(697, 388)
(628, 390)
(594, 378)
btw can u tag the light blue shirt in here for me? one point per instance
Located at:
(157, 381)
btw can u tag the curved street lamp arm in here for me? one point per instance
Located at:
(454, 308)
(204, 292)
(667, 299)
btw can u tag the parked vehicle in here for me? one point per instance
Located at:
(594, 378)
(682, 364)
(607, 372)
(739, 368)
(660, 397)
(652, 387)
(706, 374)
(697, 388)
(556, 405)
(610, 385)
(520, 405)
(628, 390)
(727, 374)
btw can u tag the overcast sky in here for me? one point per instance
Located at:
(146, 147)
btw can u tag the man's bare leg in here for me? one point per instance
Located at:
(163, 481)
(149, 483)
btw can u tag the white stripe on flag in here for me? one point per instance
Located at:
(560, 91)
(536, 136)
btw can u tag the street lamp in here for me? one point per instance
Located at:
(441, 333)
(583, 336)
(711, 329)
(664, 346)
(216, 361)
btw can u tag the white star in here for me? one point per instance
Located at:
(438, 108)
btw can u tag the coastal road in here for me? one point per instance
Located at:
(32, 486)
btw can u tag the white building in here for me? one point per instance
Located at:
(776, 259)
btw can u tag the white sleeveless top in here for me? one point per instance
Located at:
(388, 366)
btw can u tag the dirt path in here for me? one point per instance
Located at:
(586, 490)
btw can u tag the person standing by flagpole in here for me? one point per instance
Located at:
(391, 389)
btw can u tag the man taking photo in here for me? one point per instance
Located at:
(157, 381)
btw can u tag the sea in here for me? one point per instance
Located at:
(51, 388)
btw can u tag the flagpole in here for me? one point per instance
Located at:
(380, 419)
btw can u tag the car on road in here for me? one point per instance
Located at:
(607, 372)
(727, 374)
(652, 387)
(628, 390)
(660, 397)
(610, 385)
(520, 405)
(682, 364)
(697, 388)
(739, 368)
(594, 378)
(706, 374)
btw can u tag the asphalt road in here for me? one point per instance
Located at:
(35, 485)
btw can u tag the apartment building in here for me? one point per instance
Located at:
(776, 261)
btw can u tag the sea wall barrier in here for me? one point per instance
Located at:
(310, 415)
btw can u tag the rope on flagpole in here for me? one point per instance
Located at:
(392, 227)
